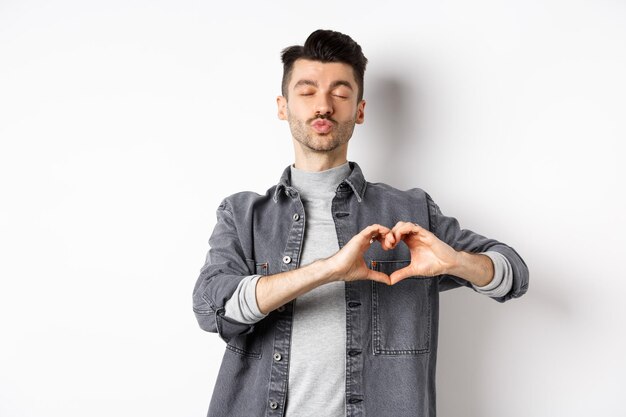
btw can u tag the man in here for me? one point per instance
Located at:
(326, 288)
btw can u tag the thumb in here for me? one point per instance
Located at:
(378, 277)
(400, 274)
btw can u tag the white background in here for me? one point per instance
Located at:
(123, 123)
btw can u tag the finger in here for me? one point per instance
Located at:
(378, 277)
(398, 225)
(400, 230)
(374, 228)
(401, 225)
(374, 232)
(424, 235)
(405, 229)
(389, 242)
(400, 274)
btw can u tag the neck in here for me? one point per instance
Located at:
(316, 161)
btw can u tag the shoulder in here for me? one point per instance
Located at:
(379, 189)
(246, 200)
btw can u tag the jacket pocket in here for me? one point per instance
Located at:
(250, 344)
(402, 314)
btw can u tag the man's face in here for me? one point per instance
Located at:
(321, 106)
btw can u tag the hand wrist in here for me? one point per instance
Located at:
(328, 271)
(475, 268)
(456, 266)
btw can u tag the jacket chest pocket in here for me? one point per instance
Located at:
(402, 316)
(250, 344)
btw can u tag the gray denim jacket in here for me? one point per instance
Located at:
(391, 331)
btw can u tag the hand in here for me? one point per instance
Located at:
(429, 255)
(348, 264)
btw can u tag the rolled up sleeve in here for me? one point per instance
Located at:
(448, 230)
(224, 268)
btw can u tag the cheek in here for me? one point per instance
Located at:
(295, 110)
(349, 112)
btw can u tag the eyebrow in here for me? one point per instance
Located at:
(333, 85)
(336, 84)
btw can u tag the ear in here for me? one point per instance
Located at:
(281, 103)
(360, 112)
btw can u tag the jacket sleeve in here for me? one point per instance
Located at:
(448, 230)
(224, 268)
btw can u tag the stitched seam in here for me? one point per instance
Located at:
(224, 207)
(208, 301)
(378, 350)
(202, 311)
(243, 352)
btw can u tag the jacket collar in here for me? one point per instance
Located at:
(355, 181)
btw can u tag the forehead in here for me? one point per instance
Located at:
(323, 73)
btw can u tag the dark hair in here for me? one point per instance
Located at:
(326, 46)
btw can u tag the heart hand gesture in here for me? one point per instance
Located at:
(429, 255)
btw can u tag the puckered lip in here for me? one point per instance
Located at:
(322, 127)
(321, 123)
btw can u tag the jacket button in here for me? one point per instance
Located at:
(286, 259)
(281, 309)
(277, 356)
(296, 216)
(273, 405)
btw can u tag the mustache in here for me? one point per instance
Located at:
(322, 117)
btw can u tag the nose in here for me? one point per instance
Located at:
(324, 105)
